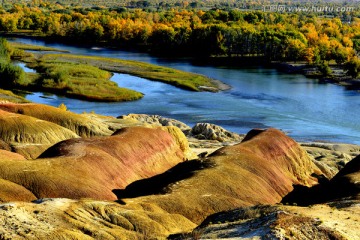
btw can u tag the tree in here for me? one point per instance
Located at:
(162, 38)
(324, 46)
(353, 67)
(309, 54)
(295, 49)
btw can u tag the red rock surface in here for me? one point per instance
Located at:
(93, 167)
(260, 170)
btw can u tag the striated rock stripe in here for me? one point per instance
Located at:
(260, 170)
(94, 167)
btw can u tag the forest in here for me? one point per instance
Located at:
(312, 37)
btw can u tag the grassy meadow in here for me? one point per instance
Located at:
(29, 47)
(182, 79)
(80, 81)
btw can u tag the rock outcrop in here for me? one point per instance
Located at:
(333, 213)
(155, 203)
(210, 131)
(157, 120)
(345, 185)
(201, 131)
(260, 170)
(94, 167)
(331, 157)
(281, 222)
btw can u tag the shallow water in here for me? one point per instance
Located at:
(260, 97)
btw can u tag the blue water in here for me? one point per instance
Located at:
(304, 108)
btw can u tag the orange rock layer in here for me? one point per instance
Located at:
(260, 170)
(93, 167)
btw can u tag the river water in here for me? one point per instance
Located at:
(259, 97)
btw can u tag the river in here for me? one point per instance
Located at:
(259, 97)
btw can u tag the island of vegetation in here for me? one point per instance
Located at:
(86, 77)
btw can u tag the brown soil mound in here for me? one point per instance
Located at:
(10, 191)
(260, 170)
(4, 154)
(81, 125)
(93, 167)
(30, 136)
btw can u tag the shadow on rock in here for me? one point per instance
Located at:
(162, 183)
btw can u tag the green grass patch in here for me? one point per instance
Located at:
(79, 81)
(182, 79)
(30, 47)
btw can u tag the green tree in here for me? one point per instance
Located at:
(353, 67)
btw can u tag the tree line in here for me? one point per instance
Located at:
(270, 35)
(189, 4)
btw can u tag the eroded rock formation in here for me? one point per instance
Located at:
(213, 132)
(157, 120)
(30, 136)
(260, 170)
(94, 167)
(158, 192)
(79, 124)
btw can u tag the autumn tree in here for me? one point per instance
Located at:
(353, 67)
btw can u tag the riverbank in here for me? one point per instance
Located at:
(337, 76)
(260, 97)
(88, 77)
(181, 79)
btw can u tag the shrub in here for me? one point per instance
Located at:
(5, 50)
(10, 75)
(63, 107)
(353, 67)
(324, 69)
